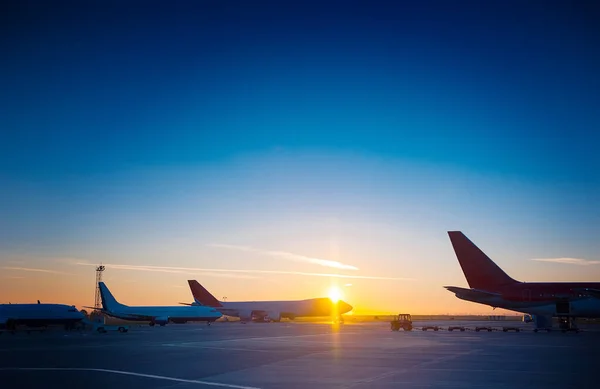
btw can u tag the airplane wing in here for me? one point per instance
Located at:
(589, 292)
(133, 316)
(94, 308)
(194, 304)
(471, 292)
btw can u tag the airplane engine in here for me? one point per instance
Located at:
(245, 315)
(275, 316)
(542, 322)
(287, 315)
(258, 315)
(161, 321)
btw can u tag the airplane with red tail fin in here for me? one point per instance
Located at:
(490, 285)
(273, 310)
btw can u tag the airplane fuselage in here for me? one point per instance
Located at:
(318, 307)
(540, 298)
(163, 313)
(39, 314)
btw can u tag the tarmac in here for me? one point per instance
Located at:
(300, 355)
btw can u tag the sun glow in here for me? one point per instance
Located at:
(335, 294)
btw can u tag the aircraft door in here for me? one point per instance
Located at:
(563, 307)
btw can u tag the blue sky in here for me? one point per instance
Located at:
(358, 132)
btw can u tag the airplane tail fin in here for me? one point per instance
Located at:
(203, 296)
(480, 271)
(109, 302)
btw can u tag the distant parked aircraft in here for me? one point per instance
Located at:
(274, 310)
(160, 315)
(39, 315)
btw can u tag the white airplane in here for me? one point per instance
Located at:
(160, 315)
(273, 310)
(39, 315)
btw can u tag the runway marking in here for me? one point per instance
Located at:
(130, 373)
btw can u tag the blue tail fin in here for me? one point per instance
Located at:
(109, 302)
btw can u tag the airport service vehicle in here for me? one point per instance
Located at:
(160, 315)
(103, 328)
(403, 320)
(39, 315)
(273, 310)
(490, 285)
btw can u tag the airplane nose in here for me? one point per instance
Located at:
(344, 307)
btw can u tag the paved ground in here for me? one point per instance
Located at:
(299, 355)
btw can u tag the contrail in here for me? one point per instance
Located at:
(31, 269)
(568, 261)
(193, 270)
(288, 256)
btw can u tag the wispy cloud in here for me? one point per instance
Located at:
(31, 269)
(235, 273)
(175, 270)
(24, 260)
(288, 256)
(348, 285)
(568, 261)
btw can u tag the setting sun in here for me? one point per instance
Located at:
(335, 294)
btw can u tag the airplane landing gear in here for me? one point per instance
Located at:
(566, 324)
